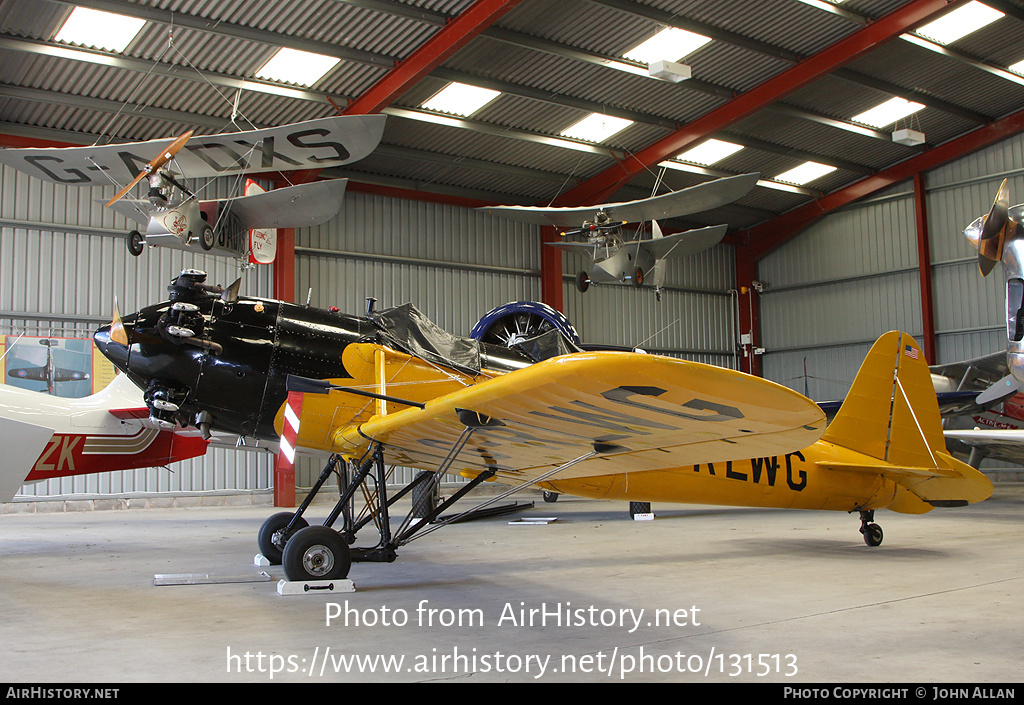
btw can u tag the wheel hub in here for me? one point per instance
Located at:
(318, 560)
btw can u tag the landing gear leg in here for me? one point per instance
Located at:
(872, 532)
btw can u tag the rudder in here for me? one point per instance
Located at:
(891, 412)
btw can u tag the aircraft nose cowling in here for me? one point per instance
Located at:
(113, 351)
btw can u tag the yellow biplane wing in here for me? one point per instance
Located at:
(637, 411)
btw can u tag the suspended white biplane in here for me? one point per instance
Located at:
(638, 261)
(173, 215)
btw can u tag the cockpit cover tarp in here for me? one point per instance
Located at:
(405, 328)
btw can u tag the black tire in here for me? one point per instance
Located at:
(136, 243)
(270, 549)
(638, 277)
(550, 497)
(582, 282)
(316, 553)
(207, 240)
(872, 535)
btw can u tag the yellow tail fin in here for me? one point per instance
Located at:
(892, 414)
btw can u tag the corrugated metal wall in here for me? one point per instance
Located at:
(63, 260)
(854, 275)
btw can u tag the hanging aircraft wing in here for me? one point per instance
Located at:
(694, 199)
(315, 144)
(639, 412)
(290, 207)
(997, 443)
(683, 244)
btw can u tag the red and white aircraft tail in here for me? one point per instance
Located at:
(44, 436)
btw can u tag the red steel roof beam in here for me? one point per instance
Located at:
(600, 187)
(453, 36)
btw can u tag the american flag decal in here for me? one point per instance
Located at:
(910, 352)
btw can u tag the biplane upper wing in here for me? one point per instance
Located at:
(639, 412)
(694, 199)
(315, 144)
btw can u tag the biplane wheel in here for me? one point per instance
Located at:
(269, 548)
(550, 496)
(316, 553)
(638, 277)
(207, 240)
(136, 243)
(872, 534)
(582, 282)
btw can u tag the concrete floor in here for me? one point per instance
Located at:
(796, 594)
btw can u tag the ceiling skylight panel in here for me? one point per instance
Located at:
(460, 99)
(100, 30)
(293, 66)
(596, 127)
(959, 23)
(887, 113)
(709, 152)
(805, 173)
(670, 44)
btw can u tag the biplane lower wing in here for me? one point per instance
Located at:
(684, 244)
(298, 206)
(635, 411)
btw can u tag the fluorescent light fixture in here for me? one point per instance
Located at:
(887, 113)
(959, 23)
(1017, 68)
(596, 127)
(294, 66)
(805, 173)
(709, 152)
(100, 30)
(460, 99)
(670, 44)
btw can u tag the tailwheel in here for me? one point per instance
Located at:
(274, 534)
(872, 532)
(316, 553)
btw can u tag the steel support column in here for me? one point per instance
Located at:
(749, 313)
(924, 265)
(550, 269)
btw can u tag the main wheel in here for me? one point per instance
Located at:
(550, 496)
(582, 282)
(638, 277)
(272, 538)
(136, 243)
(316, 553)
(872, 534)
(207, 240)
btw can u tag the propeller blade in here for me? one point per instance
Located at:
(157, 162)
(995, 227)
(230, 295)
(118, 334)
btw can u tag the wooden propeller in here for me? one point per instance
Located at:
(157, 162)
